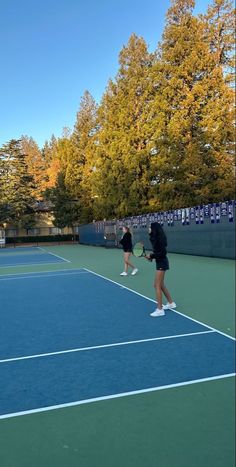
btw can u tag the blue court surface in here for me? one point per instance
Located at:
(71, 337)
(28, 256)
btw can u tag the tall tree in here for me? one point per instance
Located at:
(48, 149)
(17, 185)
(52, 163)
(123, 153)
(36, 164)
(190, 163)
(219, 25)
(65, 209)
(82, 161)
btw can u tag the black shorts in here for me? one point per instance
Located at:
(127, 251)
(162, 264)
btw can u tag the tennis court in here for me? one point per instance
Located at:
(86, 373)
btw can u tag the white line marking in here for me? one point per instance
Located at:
(44, 276)
(95, 347)
(19, 255)
(40, 248)
(114, 396)
(42, 263)
(53, 254)
(18, 250)
(42, 272)
(151, 300)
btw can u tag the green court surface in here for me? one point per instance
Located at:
(187, 426)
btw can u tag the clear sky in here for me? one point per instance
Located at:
(51, 51)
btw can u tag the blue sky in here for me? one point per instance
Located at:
(51, 51)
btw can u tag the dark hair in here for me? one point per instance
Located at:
(157, 235)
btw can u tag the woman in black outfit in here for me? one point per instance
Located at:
(159, 243)
(127, 246)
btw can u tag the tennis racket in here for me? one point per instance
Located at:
(139, 250)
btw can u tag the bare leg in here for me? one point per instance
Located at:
(127, 263)
(158, 286)
(166, 292)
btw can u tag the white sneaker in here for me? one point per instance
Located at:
(157, 312)
(124, 274)
(169, 306)
(135, 270)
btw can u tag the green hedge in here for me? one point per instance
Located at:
(43, 238)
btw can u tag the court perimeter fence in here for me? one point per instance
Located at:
(206, 230)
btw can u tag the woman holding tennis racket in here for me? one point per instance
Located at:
(159, 243)
(127, 246)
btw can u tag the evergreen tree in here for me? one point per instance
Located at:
(65, 209)
(48, 149)
(122, 176)
(79, 173)
(190, 162)
(36, 164)
(4, 199)
(52, 163)
(219, 25)
(17, 186)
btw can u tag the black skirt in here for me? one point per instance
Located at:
(162, 264)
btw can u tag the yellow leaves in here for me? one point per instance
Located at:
(52, 173)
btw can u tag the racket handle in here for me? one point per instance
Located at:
(147, 257)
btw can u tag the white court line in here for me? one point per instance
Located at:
(3, 278)
(151, 300)
(27, 264)
(43, 272)
(18, 249)
(53, 254)
(23, 264)
(95, 347)
(114, 396)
